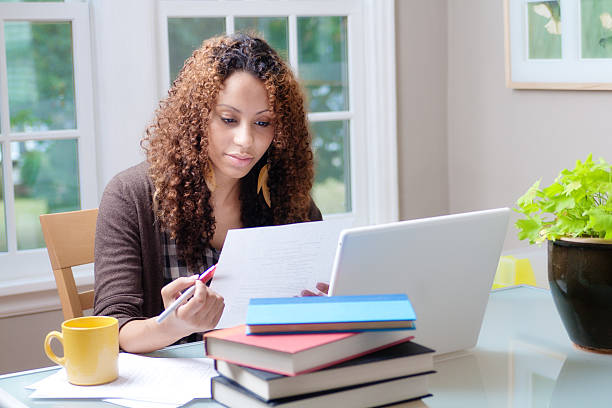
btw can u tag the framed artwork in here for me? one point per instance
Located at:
(558, 44)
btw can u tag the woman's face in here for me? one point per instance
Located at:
(241, 127)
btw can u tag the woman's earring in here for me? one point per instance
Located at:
(209, 179)
(262, 184)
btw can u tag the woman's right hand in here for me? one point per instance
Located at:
(200, 313)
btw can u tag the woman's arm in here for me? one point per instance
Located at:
(121, 271)
(128, 271)
(200, 313)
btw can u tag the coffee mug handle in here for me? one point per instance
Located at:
(49, 352)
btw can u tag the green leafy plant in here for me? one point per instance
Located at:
(577, 204)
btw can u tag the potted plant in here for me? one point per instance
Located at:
(574, 215)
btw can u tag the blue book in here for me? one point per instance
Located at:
(321, 314)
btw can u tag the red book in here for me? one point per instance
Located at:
(293, 354)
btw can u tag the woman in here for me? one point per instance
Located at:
(228, 148)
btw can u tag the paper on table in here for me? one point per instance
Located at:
(129, 403)
(165, 380)
(277, 261)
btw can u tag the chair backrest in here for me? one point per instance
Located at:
(70, 242)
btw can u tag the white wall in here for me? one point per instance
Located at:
(500, 140)
(21, 340)
(421, 54)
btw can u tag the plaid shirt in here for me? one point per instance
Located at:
(175, 267)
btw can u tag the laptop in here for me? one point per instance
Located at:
(446, 266)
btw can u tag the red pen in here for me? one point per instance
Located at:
(208, 274)
(204, 278)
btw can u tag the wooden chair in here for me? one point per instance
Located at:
(70, 242)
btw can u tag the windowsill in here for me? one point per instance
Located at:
(35, 295)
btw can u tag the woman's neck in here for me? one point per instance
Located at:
(226, 194)
(225, 202)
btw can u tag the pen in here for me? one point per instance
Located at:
(204, 278)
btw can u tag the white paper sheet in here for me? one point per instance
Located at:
(277, 261)
(128, 403)
(163, 380)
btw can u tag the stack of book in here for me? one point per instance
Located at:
(341, 351)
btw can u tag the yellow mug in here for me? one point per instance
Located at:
(91, 349)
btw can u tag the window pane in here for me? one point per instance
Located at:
(332, 189)
(273, 29)
(322, 56)
(46, 180)
(40, 75)
(3, 241)
(187, 34)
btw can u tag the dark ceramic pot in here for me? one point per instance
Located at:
(580, 277)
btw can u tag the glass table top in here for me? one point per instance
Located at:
(523, 358)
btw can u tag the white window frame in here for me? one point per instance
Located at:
(372, 97)
(25, 274)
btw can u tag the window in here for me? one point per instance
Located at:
(323, 42)
(343, 51)
(47, 152)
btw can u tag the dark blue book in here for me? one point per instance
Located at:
(317, 314)
(401, 360)
(379, 393)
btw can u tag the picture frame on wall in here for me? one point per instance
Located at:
(558, 44)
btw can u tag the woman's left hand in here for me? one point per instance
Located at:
(322, 290)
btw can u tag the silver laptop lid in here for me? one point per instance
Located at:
(445, 265)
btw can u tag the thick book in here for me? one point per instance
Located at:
(231, 394)
(329, 313)
(403, 359)
(293, 354)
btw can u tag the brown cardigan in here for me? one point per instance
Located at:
(128, 263)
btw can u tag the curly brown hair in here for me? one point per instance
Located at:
(176, 145)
